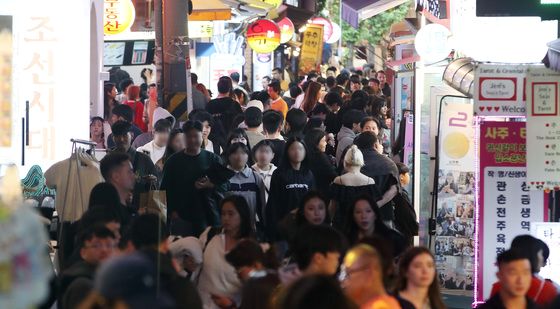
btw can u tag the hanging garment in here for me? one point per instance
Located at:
(73, 179)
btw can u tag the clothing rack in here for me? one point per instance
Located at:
(75, 159)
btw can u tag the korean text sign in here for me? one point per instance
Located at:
(543, 128)
(312, 48)
(507, 207)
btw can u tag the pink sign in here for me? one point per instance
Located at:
(506, 206)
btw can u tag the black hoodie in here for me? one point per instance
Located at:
(287, 188)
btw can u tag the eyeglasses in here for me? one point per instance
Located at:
(346, 272)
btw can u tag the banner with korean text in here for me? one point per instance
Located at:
(506, 206)
(311, 49)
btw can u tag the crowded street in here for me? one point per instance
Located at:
(280, 154)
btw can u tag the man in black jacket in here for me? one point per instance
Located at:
(96, 245)
(149, 236)
(142, 165)
(383, 170)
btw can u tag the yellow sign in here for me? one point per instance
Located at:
(311, 49)
(118, 16)
(201, 29)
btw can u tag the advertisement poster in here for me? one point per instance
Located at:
(223, 65)
(454, 241)
(403, 98)
(543, 128)
(549, 232)
(507, 207)
(6, 81)
(262, 66)
(499, 90)
(311, 49)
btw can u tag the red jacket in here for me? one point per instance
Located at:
(542, 291)
(138, 109)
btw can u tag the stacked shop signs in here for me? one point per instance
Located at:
(506, 205)
(454, 245)
(543, 128)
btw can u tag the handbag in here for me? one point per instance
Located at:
(154, 201)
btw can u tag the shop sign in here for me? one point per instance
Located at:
(118, 16)
(287, 30)
(262, 66)
(549, 232)
(201, 29)
(499, 90)
(454, 244)
(336, 34)
(311, 49)
(327, 27)
(543, 128)
(263, 36)
(507, 206)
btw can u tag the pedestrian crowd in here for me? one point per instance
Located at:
(289, 197)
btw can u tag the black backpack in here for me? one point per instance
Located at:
(405, 216)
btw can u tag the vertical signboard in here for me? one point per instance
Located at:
(499, 90)
(506, 207)
(311, 49)
(262, 66)
(6, 81)
(543, 128)
(454, 245)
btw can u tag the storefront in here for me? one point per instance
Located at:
(52, 64)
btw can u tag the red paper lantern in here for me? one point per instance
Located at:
(263, 36)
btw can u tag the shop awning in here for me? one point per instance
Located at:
(552, 58)
(205, 10)
(353, 11)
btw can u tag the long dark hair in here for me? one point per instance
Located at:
(312, 139)
(434, 294)
(107, 88)
(237, 133)
(240, 203)
(169, 149)
(310, 97)
(300, 216)
(351, 229)
(285, 161)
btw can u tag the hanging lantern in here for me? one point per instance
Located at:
(118, 16)
(263, 36)
(336, 34)
(287, 30)
(327, 27)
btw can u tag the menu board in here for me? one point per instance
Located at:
(113, 53)
(543, 128)
(139, 52)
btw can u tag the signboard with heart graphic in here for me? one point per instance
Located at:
(499, 90)
(543, 128)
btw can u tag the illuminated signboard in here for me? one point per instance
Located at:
(118, 16)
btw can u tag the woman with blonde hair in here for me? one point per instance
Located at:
(352, 183)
